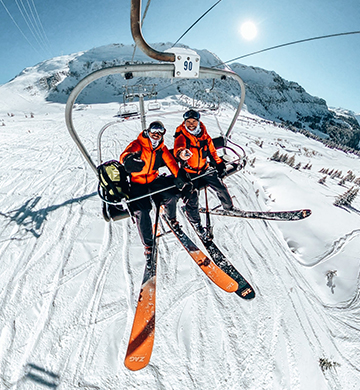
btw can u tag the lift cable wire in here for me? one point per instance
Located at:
(39, 24)
(278, 46)
(21, 31)
(30, 24)
(30, 16)
(196, 22)
(35, 27)
(287, 44)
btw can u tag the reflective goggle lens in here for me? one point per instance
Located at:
(156, 128)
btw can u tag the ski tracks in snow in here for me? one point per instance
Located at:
(72, 281)
(46, 320)
(270, 267)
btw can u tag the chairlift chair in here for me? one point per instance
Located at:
(154, 106)
(127, 110)
(179, 63)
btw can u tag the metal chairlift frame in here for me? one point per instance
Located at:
(155, 70)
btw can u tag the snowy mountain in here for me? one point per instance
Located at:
(273, 98)
(70, 281)
(267, 94)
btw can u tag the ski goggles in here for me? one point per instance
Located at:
(191, 114)
(157, 128)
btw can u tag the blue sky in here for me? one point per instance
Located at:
(326, 68)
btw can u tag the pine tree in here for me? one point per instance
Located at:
(350, 176)
(291, 161)
(322, 180)
(347, 198)
(326, 364)
(352, 195)
(283, 158)
(275, 156)
(336, 174)
(342, 182)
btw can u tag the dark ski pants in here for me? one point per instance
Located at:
(140, 209)
(192, 199)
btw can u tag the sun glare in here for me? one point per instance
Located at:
(248, 30)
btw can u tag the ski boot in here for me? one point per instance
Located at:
(174, 223)
(202, 232)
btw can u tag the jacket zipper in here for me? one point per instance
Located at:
(150, 162)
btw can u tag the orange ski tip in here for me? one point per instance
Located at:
(136, 363)
(248, 293)
(143, 331)
(217, 275)
(140, 345)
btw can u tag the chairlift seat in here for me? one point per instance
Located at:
(116, 213)
(128, 110)
(154, 106)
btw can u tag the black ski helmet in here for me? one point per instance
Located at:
(191, 114)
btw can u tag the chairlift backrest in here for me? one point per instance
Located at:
(153, 106)
(127, 110)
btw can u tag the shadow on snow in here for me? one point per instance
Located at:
(31, 220)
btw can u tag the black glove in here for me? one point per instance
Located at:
(133, 163)
(182, 180)
(221, 169)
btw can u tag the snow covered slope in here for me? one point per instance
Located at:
(69, 280)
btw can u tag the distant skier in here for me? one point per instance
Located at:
(142, 159)
(193, 147)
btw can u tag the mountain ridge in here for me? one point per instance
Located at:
(268, 95)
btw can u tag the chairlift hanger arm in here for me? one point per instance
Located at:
(144, 70)
(135, 15)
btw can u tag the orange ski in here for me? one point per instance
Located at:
(216, 274)
(143, 331)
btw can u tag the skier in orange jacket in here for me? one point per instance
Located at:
(194, 147)
(142, 159)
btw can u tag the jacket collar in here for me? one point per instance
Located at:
(187, 133)
(145, 141)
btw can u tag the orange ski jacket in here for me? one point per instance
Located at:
(153, 159)
(201, 147)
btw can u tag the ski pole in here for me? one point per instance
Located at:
(209, 228)
(211, 170)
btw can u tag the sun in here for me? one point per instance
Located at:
(248, 30)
